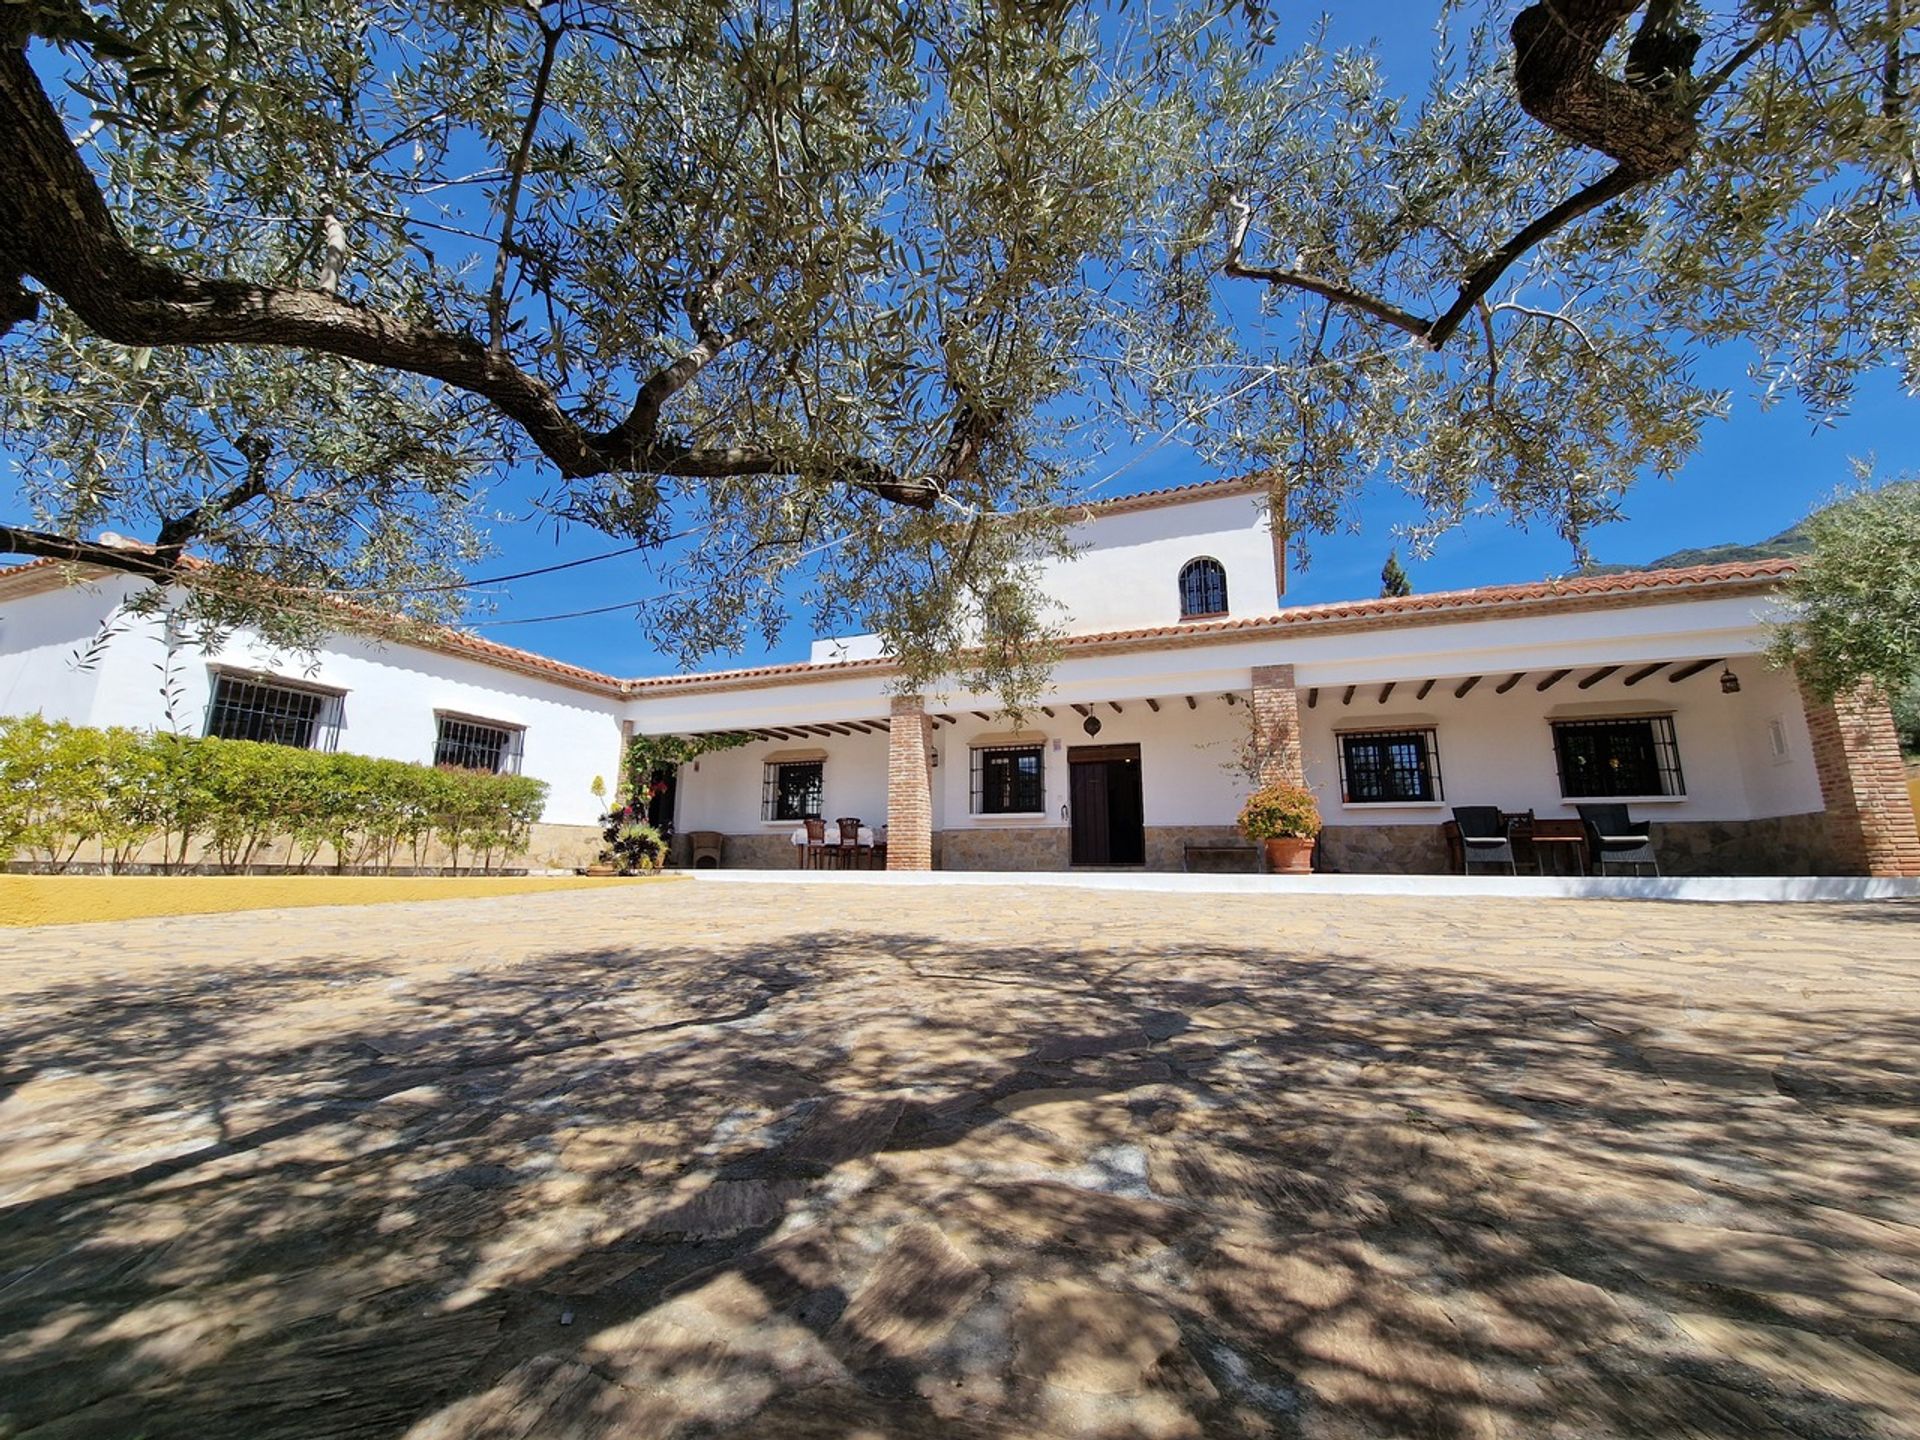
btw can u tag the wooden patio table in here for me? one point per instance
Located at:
(1564, 841)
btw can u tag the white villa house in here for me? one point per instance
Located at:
(1649, 689)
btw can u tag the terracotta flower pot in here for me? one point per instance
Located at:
(1289, 855)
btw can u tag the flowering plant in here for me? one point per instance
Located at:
(633, 843)
(1280, 812)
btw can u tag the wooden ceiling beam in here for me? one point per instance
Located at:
(1153, 705)
(1460, 690)
(1347, 698)
(1313, 697)
(1686, 671)
(1115, 705)
(1386, 691)
(1552, 680)
(1511, 681)
(1082, 711)
(1643, 672)
(1587, 682)
(1192, 704)
(1421, 693)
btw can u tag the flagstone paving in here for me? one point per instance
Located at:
(794, 1162)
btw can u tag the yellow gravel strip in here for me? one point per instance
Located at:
(71, 899)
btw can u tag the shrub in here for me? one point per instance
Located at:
(63, 787)
(1280, 812)
(633, 843)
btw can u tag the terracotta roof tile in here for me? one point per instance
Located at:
(1171, 495)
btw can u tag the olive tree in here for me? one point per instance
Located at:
(1495, 290)
(1856, 600)
(856, 294)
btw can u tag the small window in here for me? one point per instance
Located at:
(1386, 767)
(792, 790)
(464, 744)
(1613, 759)
(1009, 780)
(244, 708)
(1203, 588)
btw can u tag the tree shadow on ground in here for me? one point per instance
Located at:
(864, 1183)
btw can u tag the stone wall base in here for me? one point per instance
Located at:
(1382, 850)
(549, 847)
(1050, 847)
(1779, 845)
(763, 850)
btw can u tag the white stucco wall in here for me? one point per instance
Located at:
(1126, 570)
(41, 638)
(1498, 749)
(392, 692)
(721, 790)
(1184, 761)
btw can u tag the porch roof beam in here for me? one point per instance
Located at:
(1687, 671)
(1587, 682)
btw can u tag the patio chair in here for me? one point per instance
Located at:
(1613, 838)
(814, 856)
(879, 858)
(852, 852)
(1483, 838)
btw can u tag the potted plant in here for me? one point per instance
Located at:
(1284, 818)
(632, 843)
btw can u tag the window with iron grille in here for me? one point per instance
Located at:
(1009, 780)
(1203, 588)
(1385, 767)
(793, 790)
(464, 744)
(1616, 758)
(245, 708)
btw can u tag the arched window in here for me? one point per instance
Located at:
(1203, 588)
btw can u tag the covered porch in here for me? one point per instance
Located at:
(1141, 752)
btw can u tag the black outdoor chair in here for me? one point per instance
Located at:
(1613, 838)
(1483, 838)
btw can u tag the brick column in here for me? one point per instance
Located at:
(1276, 726)
(1856, 751)
(909, 786)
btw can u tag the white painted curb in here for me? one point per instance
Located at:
(1716, 888)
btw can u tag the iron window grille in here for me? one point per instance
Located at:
(1203, 588)
(1617, 758)
(463, 744)
(244, 708)
(793, 790)
(1384, 767)
(1009, 780)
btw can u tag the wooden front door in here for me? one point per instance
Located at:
(1104, 789)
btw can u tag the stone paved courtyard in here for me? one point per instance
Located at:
(781, 1161)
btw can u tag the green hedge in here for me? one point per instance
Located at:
(65, 788)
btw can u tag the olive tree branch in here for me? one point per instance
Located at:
(550, 37)
(56, 229)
